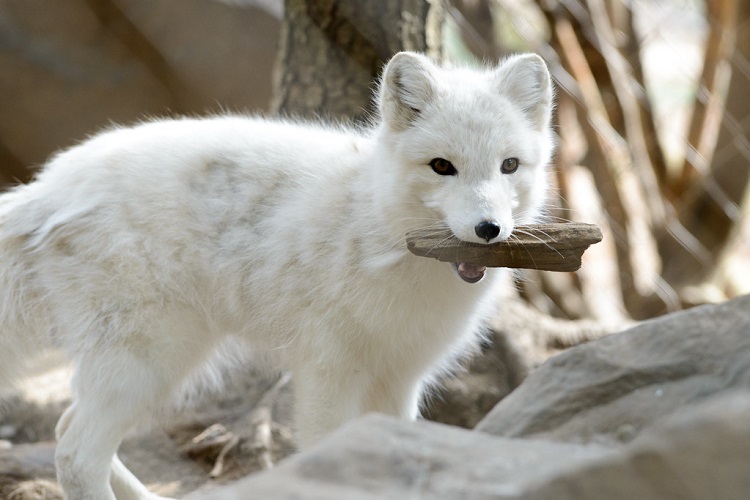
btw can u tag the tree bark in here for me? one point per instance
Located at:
(331, 51)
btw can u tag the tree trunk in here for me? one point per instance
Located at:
(331, 51)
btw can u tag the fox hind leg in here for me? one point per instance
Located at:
(116, 389)
(88, 438)
(126, 486)
(91, 429)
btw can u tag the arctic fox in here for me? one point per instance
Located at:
(141, 250)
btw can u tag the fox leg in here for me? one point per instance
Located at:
(125, 374)
(323, 400)
(126, 486)
(393, 396)
(91, 429)
(326, 397)
(87, 439)
(117, 387)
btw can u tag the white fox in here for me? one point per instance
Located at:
(141, 250)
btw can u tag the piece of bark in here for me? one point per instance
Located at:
(548, 247)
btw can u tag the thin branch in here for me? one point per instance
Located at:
(710, 96)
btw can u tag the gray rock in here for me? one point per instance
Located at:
(703, 453)
(656, 412)
(382, 457)
(700, 453)
(522, 338)
(612, 388)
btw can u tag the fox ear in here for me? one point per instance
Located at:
(525, 80)
(408, 85)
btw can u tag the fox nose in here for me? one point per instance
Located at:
(487, 229)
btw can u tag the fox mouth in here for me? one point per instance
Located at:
(470, 273)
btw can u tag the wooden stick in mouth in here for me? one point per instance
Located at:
(547, 247)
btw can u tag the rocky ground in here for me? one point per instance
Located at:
(657, 411)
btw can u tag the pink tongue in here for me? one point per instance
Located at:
(470, 273)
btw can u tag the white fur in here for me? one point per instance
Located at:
(142, 249)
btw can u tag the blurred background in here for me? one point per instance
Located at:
(652, 117)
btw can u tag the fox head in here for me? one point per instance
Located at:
(472, 144)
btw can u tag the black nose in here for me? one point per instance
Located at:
(487, 229)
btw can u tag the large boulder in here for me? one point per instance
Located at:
(657, 412)
(612, 388)
(701, 453)
(378, 457)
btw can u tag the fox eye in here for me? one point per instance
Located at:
(441, 166)
(509, 165)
